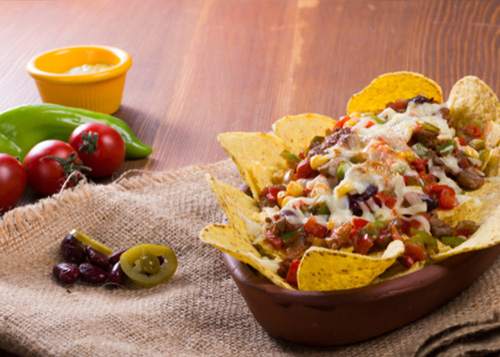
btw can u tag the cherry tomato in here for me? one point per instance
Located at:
(12, 182)
(100, 147)
(48, 165)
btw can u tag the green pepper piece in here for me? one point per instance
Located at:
(290, 158)
(134, 263)
(377, 120)
(25, 126)
(421, 150)
(380, 224)
(289, 235)
(447, 147)
(426, 238)
(316, 141)
(371, 230)
(344, 166)
(431, 127)
(453, 241)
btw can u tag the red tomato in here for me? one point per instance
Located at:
(100, 147)
(46, 175)
(12, 182)
(314, 228)
(291, 276)
(304, 169)
(362, 245)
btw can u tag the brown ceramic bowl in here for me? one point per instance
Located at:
(342, 317)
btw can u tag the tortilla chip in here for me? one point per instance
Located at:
(233, 242)
(472, 102)
(398, 270)
(241, 210)
(297, 131)
(322, 269)
(486, 236)
(257, 157)
(391, 87)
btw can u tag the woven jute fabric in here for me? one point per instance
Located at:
(199, 311)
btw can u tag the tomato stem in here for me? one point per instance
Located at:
(69, 165)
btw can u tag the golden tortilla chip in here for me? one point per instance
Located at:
(323, 269)
(241, 210)
(391, 87)
(297, 131)
(472, 102)
(486, 236)
(235, 243)
(492, 133)
(257, 157)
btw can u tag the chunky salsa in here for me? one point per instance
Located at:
(372, 179)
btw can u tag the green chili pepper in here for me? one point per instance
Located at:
(371, 230)
(430, 127)
(342, 170)
(290, 158)
(377, 119)
(316, 141)
(25, 126)
(453, 241)
(447, 147)
(426, 238)
(289, 235)
(320, 208)
(421, 150)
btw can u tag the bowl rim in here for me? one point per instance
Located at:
(120, 68)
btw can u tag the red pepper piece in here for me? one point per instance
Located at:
(274, 239)
(413, 253)
(363, 245)
(314, 228)
(291, 276)
(341, 122)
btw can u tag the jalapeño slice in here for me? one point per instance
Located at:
(142, 265)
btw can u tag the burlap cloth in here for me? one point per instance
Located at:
(199, 311)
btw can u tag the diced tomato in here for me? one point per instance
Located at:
(341, 122)
(445, 195)
(363, 245)
(384, 238)
(428, 178)
(304, 170)
(382, 198)
(474, 131)
(275, 240)
(357, 226)
(291, 276)
(413, 253)
(447, 199)
(314, 228)
(462, 141)
(370, 124)
(419, 164)
(272, 194)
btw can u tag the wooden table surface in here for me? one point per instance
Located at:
(205, 67)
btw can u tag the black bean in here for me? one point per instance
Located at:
(92, 274)
(115, 257)
(432, 203)
(116, 275)
(97, 258)
(66, 273)
(71, 249)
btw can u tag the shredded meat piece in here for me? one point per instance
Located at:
(470, 179)
(466, 228)
(427, 137)
(338, 135)
(439, 228)
(445, 113)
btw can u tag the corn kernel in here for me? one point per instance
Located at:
(319, 189)
(286, 200)
(317, 161)
(281, 196)
(343, 189)
(331, 225)
(351, 123)
(295, 189)
(471, 152)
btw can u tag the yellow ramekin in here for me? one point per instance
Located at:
(100, 91)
